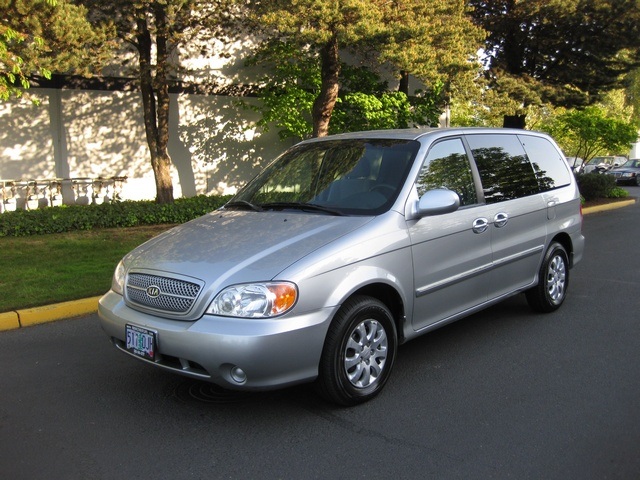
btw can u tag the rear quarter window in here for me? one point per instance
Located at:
(548, 164)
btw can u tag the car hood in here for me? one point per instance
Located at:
(227, 247)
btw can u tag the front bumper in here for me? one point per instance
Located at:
(272, 353)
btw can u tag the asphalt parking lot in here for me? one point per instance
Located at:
(502, 394)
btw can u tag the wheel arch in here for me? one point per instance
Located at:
(565, 240)
(391, 298)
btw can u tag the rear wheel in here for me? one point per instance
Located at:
(553, 281)
(359, 352)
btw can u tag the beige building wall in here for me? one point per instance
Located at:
(81, 134)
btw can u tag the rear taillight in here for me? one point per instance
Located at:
(581, 216)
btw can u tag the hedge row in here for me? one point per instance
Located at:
(109, 215)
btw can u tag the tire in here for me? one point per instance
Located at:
(358, 353)
(553, 281)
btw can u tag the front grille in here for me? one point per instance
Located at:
(161, 293)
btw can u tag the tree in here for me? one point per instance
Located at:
(156, 29)
(41, 37)
(590, 131)
(632, 92)
(410, 35)
(564, 52)
(365, 101)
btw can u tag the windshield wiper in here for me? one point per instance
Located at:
(244, 204)
(301, 206)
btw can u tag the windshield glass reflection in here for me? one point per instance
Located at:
(359, 177)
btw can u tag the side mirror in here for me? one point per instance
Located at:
(438, 202)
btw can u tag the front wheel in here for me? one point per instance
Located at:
(359, 352)
(553, 281)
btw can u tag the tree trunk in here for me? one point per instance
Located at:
(514, 121)
(162, 167)
(155, 116)
(326, 100)
(404, 82)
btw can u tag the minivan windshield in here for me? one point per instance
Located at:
(338, 176)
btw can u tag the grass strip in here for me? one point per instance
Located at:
(45, 269)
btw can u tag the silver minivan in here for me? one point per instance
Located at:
(344, 248)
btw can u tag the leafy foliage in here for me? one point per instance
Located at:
(589, 132)
(433, 40)
(289, 89)
(631, 92)
(44, 37)
(365, 101)
(565, 52)
(111, 215)
(617, 192)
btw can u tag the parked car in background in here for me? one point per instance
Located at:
(628, 173)
(576, 164)
(603, 164)
(344, 248)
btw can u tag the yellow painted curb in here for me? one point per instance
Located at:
(609, 206)
(58, 311)
(9, 321)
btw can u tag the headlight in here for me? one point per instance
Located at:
(255, 300)
(628, 174)
(117, 283)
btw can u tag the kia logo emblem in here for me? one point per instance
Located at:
(153, 291)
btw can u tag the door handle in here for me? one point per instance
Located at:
(480, 225)
(500, 220)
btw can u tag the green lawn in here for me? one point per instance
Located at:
(45, 269)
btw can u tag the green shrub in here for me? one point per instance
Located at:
(109, 215)
(618, 192)
(595, 185)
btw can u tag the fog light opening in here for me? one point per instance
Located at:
(238, 375)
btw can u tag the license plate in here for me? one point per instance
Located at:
(141, 342)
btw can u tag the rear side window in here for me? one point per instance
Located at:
(550, 169)
(504, 168)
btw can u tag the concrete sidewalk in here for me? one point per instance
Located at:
(88, 306)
